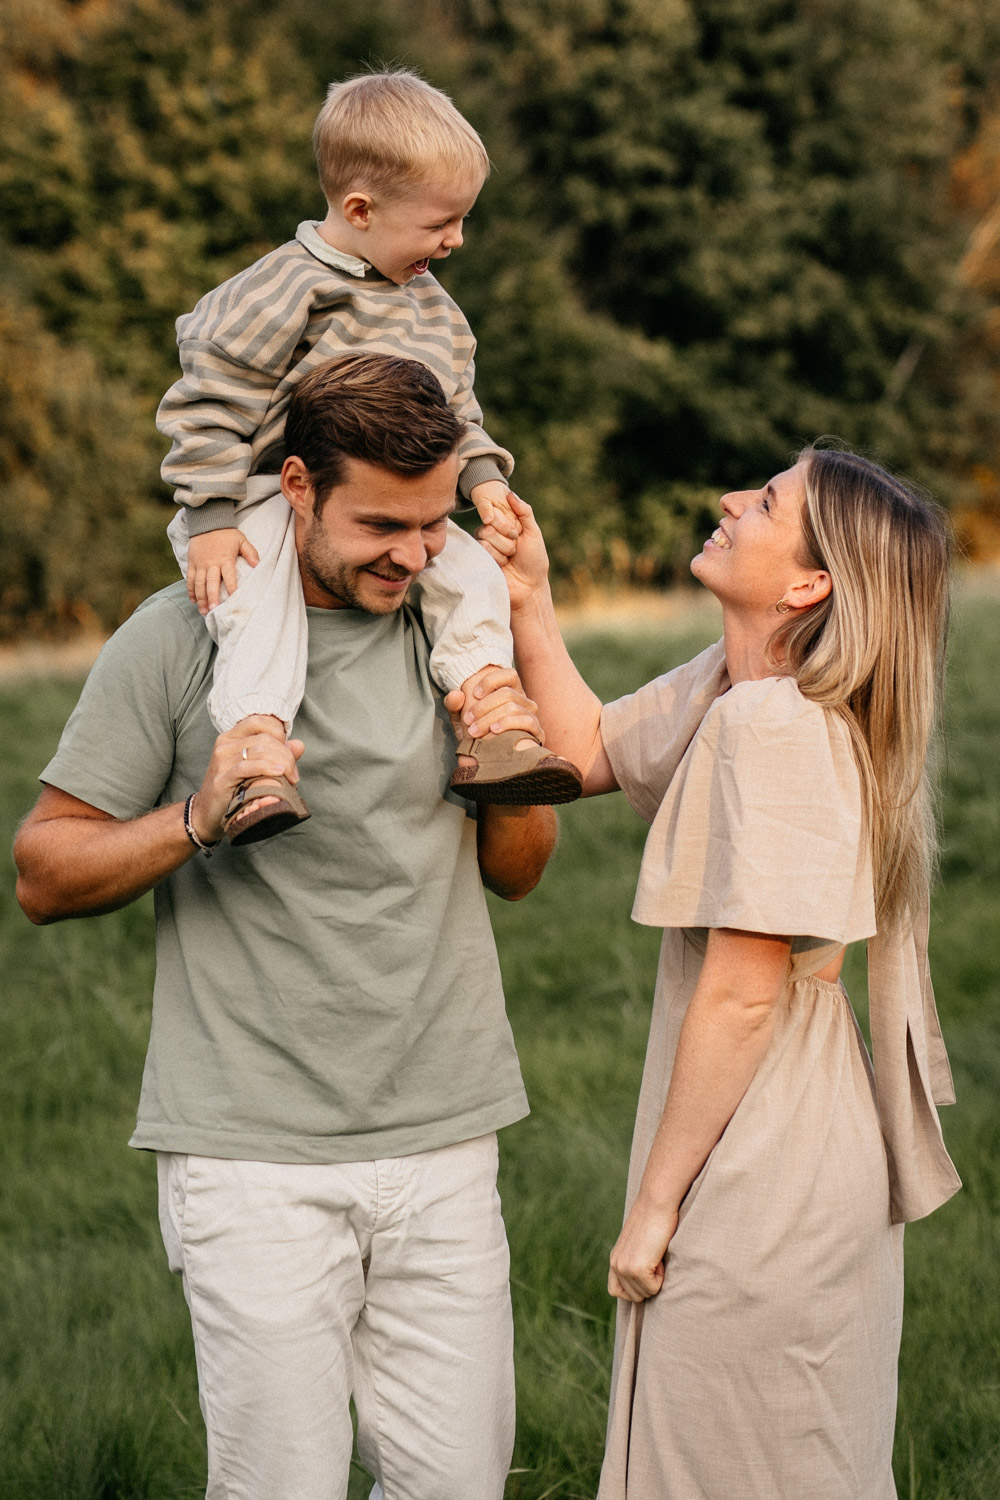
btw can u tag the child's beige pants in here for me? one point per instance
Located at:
(261, 629)
(387, 1280)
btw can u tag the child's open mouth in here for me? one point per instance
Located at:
(420, 266)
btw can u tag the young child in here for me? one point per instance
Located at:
(400, 169)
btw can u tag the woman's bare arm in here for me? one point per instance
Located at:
(725, 1034)
(568, 709)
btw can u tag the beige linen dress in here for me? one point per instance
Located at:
(765, 1368)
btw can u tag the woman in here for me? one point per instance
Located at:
(760, 1263)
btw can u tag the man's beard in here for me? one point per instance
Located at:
(343, 582)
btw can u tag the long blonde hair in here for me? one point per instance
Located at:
(873, 651)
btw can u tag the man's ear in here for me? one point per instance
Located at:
(296, 486)
(357, 208)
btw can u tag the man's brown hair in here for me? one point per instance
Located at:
(374, 407)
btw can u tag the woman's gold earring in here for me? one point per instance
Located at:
(783, 607)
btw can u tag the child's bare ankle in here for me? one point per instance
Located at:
(471, 683)
(263, 724)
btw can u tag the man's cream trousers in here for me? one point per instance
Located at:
(261, 629)
(384, 1280)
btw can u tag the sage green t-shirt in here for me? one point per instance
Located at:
(331, 994)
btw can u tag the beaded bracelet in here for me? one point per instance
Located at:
(206, 849)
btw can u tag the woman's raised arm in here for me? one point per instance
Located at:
(569, 711)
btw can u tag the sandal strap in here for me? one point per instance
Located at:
(264, 786)
(497, 751)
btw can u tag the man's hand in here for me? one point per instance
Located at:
(523, 558)
(491, 499)
(212, 561)
(497, 702)
(266, 755)
(514, 844)
(74, 860)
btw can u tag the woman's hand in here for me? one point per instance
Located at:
(638, 1259)
(523, 558)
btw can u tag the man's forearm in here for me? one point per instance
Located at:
(514, 844)
(75, 861)
(71, 866)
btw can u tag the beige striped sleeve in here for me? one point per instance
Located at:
(482, 458)
(235, 348)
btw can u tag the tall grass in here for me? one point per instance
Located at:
(98, 1398)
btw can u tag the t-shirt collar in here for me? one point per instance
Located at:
(308, 235)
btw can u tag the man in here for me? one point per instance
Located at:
(329, 1057)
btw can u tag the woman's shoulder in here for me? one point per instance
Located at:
(768, 729)
(772, 708)
(762, 827)
(765, 700)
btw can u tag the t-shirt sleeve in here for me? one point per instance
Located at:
(646, 733)
(762, 828)
(117, 749)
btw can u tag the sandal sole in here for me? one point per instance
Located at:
(263, 824)
(545, 786)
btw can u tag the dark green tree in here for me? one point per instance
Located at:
(715, 228)
(757, 191)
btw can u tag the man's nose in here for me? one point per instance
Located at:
(409, 553)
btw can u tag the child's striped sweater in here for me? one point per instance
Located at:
(247, 344)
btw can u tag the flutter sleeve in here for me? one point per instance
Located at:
(761, 826)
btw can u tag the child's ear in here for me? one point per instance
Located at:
(356, 209)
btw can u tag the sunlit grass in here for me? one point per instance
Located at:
(98, 1398)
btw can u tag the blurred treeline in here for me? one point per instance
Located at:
(715, 230)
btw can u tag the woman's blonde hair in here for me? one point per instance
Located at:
(388, 132)
(873, 651)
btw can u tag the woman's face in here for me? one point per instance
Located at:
(755, 554)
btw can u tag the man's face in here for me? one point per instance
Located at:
(376, 531)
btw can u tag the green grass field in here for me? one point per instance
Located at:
(97, 1387)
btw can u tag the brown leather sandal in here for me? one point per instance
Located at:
(263, 822)
(503, 774)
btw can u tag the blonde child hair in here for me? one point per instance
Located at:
(388, 132)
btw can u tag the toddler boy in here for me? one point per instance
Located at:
(400, 168)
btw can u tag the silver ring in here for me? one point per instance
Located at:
(244, 755)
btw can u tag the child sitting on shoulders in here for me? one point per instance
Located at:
(400, 169)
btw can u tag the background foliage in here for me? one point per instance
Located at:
(716, 229)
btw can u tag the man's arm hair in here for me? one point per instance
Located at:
(75, 861)
(514, 846)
